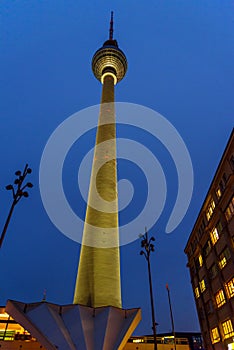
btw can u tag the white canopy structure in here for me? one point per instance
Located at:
(75, 327)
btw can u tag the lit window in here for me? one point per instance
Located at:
(210, 209)
(230, 288)
(222, 262)
(214, 235)
(220, 298)
(227, 329)
(215, 338)
(196, 291)
(200, 260)
(3, 316)
(224, 256)
(12, 330)
(138, 340)
(202, 285)
(218, 192)
(229, 212)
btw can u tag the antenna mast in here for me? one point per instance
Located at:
(111, 27)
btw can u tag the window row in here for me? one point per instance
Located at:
(222, 262)
(229, 212)
(219, 296)
(227, 328)
(214, 235)
(202, 287)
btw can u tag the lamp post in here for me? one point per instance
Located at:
(18, 191)
(148, 248)
(172, 320)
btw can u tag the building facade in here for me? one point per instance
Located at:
(210, 253)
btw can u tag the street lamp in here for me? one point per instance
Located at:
(148, 248)
(18, 191)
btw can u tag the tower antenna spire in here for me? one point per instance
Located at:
(111, 26)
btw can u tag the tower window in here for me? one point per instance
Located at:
(220, 298)
(227, 329)
(230, 288)
(215, 337)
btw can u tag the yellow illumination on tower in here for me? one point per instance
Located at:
(98, 278)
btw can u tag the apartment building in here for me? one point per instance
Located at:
(210, 253)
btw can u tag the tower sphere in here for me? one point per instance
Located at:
(109, 59)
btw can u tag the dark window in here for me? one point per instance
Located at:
(229, 212)
(207, 248)
(209, 307)
(201, 313)
(232, 162)
(200, 232)
(213, 271)
(194, 245)
(225, 177)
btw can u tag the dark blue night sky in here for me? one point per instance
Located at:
(180, 56)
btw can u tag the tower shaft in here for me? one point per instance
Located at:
(98, 279)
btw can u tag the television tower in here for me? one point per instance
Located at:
(96, 319)
(98, 279)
